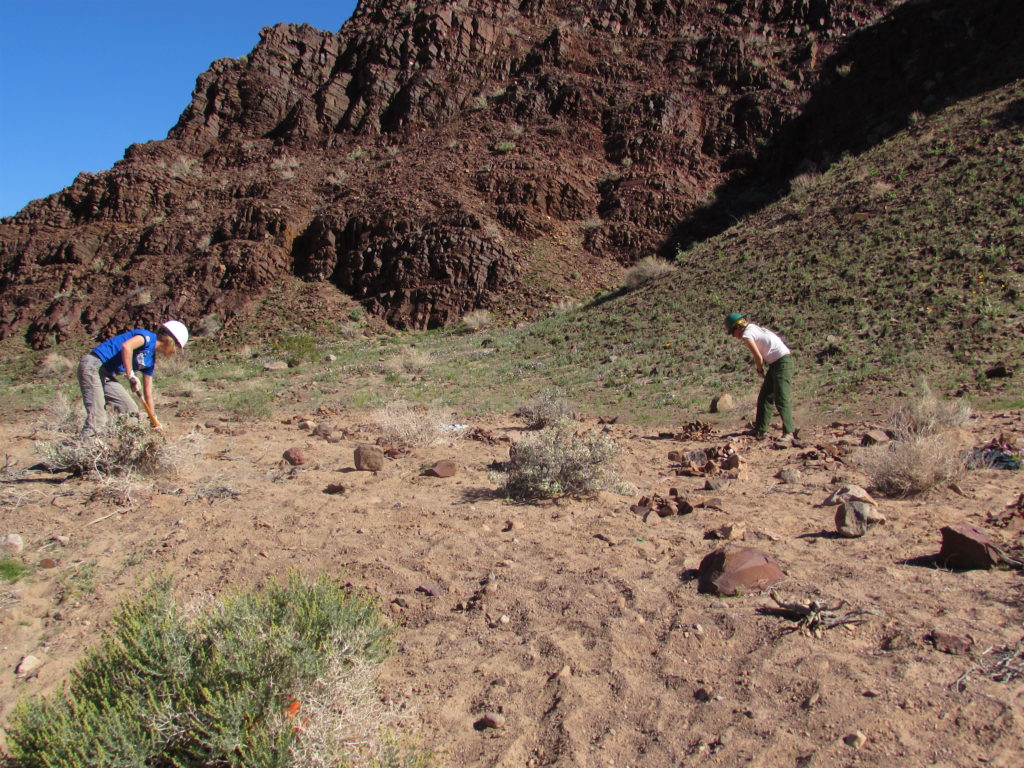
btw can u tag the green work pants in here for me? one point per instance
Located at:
(775, 391)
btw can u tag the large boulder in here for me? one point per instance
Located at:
(732, 572)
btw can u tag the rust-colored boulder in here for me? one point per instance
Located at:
(964, 548)
(732, 572)
(295, 456)
(369, 458)
(443, 468)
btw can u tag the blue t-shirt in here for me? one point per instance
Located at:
(109, 352)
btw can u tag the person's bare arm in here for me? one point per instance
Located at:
(758, 360)
(127, 351)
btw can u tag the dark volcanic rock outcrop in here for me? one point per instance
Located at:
(428, 159)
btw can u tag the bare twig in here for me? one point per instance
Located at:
(813, 617)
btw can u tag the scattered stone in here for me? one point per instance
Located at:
(306, 425)
(830, 449)
(27, 665)
(732, 462)
(430, 589)
(275, 365)
(850, 520)
(335, 489)
(950, 643)
(703, 695)
(48, 562)
(295, 456)
(964, 547)
(875, 437)
(728, 532)
(715, 483)
(998, 371)
(788, 476)
(730, 572)
(490, 720)
(722, 403)
(323, 429)
(848, 493)
(330, 358)
(62, 540)
(369, 458)
(857, 739)
(443, 468)
(12, 544)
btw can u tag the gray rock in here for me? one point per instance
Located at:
(788, 476)
(850, 519)
(12, 544)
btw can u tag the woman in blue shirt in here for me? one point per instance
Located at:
(125, 354)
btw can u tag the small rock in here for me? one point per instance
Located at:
(788, 476)
(323, 429)
(728, 532)
(703, 694)
(949, 643)
(875, 437)
(848, 493)
(27, 665)
(330, 358)
(732, 462)
(306, 425)
(12, 544)
(850, 519)
(295, 456)
(275, 365)
(730, 572)
(335, 489)
(490, 720)
(722, 403)
(715, 484)
(369, 458)
(429, 589)
(48, 562)
(857, 739)
(443, 468)
(998, 371)
(964, 547)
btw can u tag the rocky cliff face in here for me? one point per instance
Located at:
(435, 157)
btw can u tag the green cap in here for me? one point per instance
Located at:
(731, 320)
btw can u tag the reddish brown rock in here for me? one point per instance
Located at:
(295, 456)
(732, 572)
(950, 643)
(964, 548)
(443, 468)
(369, 458)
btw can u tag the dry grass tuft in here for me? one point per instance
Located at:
(547, 408)
(63, 416)
(646, 270)
(927, 415)
(477, 320)
(403, 423)
(411, 361)
(54, 366)
(909, 467)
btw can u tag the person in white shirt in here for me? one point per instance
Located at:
(774, 362)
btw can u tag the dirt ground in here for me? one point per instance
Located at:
(577, 620)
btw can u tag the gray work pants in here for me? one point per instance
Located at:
(100, 389)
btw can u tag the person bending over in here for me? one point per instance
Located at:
(774, 362)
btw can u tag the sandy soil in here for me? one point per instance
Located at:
(577, 620)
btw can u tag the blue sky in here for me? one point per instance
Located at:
(83, 79)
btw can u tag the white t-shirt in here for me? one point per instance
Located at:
(767, 342)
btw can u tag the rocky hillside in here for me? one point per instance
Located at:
(433, 158)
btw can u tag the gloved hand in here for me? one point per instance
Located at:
(136, 384)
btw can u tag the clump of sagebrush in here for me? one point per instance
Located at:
(403, 423)
(411, 360)
(545, 409)
(557, 461)
(925, 452)
(63, 415)
(127, 446)
(477, 320)
(927, 414)
(644, 271)
(271, 678)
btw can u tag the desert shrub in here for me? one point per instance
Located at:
(54, 366)
(296, 350)
(477, 320)
(229, 686)
(646, 270)
(403, 423)
(63, 415)
(563, 305)
(504, 146)
(410, 360)
(249, 404)
(916, 465)
(557, 461)
(927, 414)
(11, 569)
(547, 408)
(128, 445)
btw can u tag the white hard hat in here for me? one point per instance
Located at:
(178, 331)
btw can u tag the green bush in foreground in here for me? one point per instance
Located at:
(212, 691)
(557, 461)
